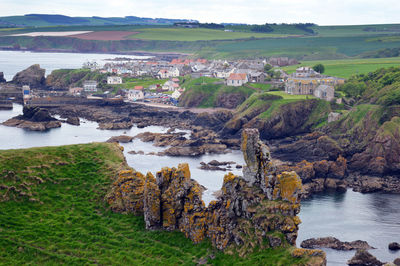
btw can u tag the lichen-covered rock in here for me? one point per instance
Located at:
(126, 194)
(258, 210)
(365, 258)
(151, 203)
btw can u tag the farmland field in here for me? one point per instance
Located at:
(184, 34)
(347, 67)
(104, 35)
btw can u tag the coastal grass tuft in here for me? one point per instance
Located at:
(69, 222)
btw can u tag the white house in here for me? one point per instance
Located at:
(325, 92)
(165, 74)
(169, 86)
(176, 94)
(90, 85)
(114, 80)
(135, 95)
(236, 79)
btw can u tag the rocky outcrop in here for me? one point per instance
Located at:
(2, 79)
(73, 120)
(364, 258)
(394, 246)
(334, 243)
(120, 139)
(32, 76)
(214, 165)
(321, 175)
(382, 155)
(33, 118)
(257, 210)
(114, 125)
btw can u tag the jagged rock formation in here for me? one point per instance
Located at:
(2, 79)
(33, 118)
(32, 76)
(364, 258)
(257, 210)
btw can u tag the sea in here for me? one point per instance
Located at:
(347, 216)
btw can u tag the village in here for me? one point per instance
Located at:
(162, 82)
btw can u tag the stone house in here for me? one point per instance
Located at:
(237, 79)
(90, 86)
(325, 92)
(135, 95)
(114, 80)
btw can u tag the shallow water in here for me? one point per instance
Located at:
(12, 62)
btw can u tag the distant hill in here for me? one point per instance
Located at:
(40, 20)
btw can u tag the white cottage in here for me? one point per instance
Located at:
(114, 80)
(135, 95)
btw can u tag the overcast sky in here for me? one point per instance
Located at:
(322, 12)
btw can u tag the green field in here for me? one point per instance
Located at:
(184, 34)
(328, 42)
(61, 218)
(286, 96)
(347, 67)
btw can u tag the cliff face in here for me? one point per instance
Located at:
(257, 210)
(32, 76)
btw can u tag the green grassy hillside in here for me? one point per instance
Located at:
(210, 92)
(52, 212)
(345, 68)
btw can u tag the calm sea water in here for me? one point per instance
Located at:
(348, 216)
(12, 62)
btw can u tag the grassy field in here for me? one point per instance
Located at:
(184, 34)
(347, 67)
(286, 96)
(62, 219)
(261, 86)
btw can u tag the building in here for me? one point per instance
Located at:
(90, 86)
(135, 95)
(26, 93)
(237, 79)
(114, 80)
(75, 91)
(176, 94)
(325, 92)
(306, 81)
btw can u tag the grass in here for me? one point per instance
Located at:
(261, 86)
(286, 96)
(70, 224)
(345, 68)
(130, 83)
(197, 34)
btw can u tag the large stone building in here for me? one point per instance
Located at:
(306, 81)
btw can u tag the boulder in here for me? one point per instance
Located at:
(34, 76)
(120, 139)
(397, 262)
(394, 246)
(334, 243)
(364, 258)
(115, 125)
(73, 120)
(2, 79)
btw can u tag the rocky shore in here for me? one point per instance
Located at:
(33, 118)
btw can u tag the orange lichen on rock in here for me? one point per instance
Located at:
(258, 210)
(126, 194)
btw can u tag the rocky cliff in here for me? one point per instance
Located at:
(32, 76)
(2, 79)
(258, 210)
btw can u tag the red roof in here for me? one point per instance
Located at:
(138, 87)
(175, 80)
(237, 76)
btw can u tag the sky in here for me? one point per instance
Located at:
(321, 12)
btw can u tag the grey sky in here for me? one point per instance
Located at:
(326, 12)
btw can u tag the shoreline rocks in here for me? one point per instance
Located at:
(363, 257)
(334, 243)
(394, 246)
(34, 119)
(120, 139)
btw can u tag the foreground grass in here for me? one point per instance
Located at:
(67, 222)
(347, 67)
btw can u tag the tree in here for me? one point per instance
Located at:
(319, 68)
(267, 67)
